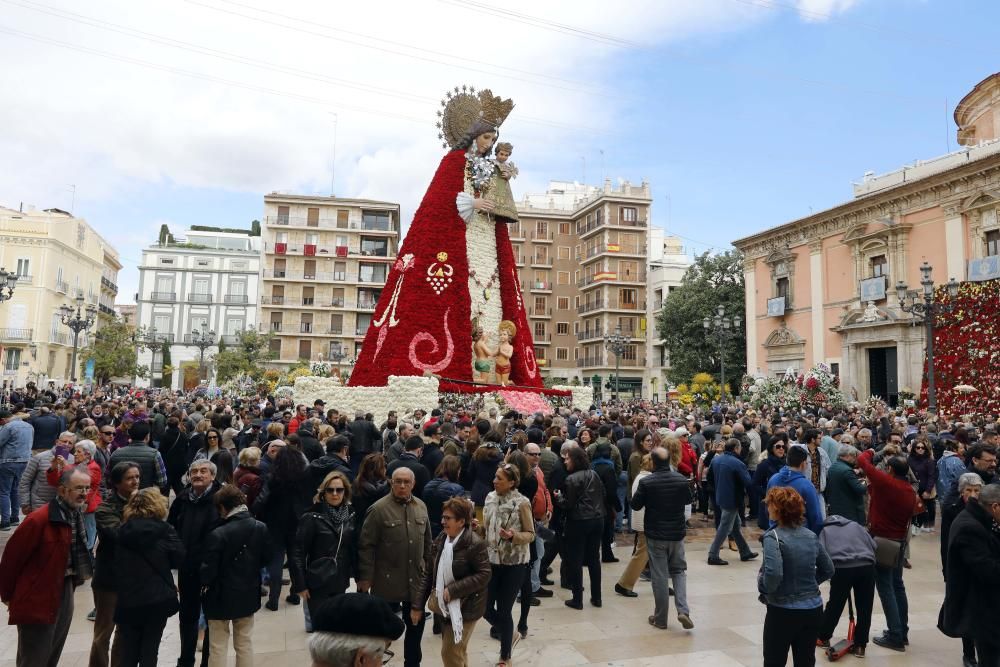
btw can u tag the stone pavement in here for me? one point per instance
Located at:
(728, 624)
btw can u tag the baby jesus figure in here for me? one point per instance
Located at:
(500, 191)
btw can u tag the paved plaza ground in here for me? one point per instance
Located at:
(728, 624)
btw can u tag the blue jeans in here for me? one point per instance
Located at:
(626, 514)
(666, 560)
(536, 565)
(892, 593)
(10, 477)
(90, 523)
(729, 526)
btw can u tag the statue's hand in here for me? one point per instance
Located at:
(482, 204)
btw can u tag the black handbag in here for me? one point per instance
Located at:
(319, 572)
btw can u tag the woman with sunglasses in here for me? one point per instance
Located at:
(509, 529)
(212, 446)
(923, 466)
(324, 552)
(766, 468)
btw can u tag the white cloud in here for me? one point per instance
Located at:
(111, 126)
(822, 10)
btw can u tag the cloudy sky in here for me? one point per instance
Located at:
(742, 114)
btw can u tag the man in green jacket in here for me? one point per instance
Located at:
(845, 493)
(394, 554)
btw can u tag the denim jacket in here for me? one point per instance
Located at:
(795, 564)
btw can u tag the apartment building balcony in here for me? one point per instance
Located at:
(367, 305)
(163, 297)
(590, 362)
(58, 338)
(62, 286)
(590, 306)
(541, 262)
(306, 327)
(541, 286)
(24, 279)
(334, 331)
(613, 250)
(539, 312)
(333, 276)
(190, 339)
(585, 229)
(590, 334)
(236, 299)
(231, 339)
(195, 297)
(328, 223)
(516, 233)
(613, 277)
(544, 339)
(106, 310)
(163, 338)
(518, 260)
(542, 237)
(108, 284)
(8, 335)
(359, 332)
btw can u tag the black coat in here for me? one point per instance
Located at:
(193, 518)
(318, 537)
(420, 474)
(235, 551)
(319, 468)
(605, 469)
(280, 504)
(310, 445)
(363, 497)
(664, 495)
(365, 438)
(431, 458)
(972, 585)
(147, 550)
(481, 474)
(47, 429)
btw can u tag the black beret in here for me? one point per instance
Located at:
(358, 614)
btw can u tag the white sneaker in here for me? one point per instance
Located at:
(927, 529)
(914, 530)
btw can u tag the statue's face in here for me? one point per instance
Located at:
(504, 336)
(503, 156)
(484, 142)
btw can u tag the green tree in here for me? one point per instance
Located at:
(712, 281)
(114, 352)
(255, 228)
(245, 356)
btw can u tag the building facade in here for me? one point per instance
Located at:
(56, 257)
(581, 252)
(325, 261)
(207, 280)
(667, 266)
(822, 288)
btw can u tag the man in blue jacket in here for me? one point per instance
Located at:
(792, 475)
(731, 478)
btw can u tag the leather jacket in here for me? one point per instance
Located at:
(583, 497)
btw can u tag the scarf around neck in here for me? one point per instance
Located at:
(445, 577)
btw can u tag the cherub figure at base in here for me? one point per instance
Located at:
(483, 354)
(504, 351)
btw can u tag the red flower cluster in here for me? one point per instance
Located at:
(967, 350)
(812, 384)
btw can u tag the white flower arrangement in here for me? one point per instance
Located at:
(583, 395)
(404, 394)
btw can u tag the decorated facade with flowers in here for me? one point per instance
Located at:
(967, 351)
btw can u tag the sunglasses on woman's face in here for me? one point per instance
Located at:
(334, 490)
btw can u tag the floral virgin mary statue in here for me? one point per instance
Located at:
(455, 273)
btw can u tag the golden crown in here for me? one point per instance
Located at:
(463, 108)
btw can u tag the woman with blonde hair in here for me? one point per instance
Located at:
(147, 549)
(324, 552)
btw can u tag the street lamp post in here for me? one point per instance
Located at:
(154, 345)
(203, 340)
(925, 311)
(77, 320)
(723, 329)
(615, 343)
(8, 280)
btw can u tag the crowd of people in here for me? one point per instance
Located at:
(208, 509)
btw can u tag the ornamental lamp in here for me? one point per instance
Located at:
(901, 291)
(953, 288)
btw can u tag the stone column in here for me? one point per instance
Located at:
(750, 305)
(816, 301)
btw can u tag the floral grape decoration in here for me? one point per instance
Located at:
(967, 350)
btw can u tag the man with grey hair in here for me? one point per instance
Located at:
(845, 493)
(34, 491)
(193, 514)
(394, 553)
(43, 562)
(353, 630)
(864, 439)
(972, 577)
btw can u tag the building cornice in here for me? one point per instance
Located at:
(942, 189)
